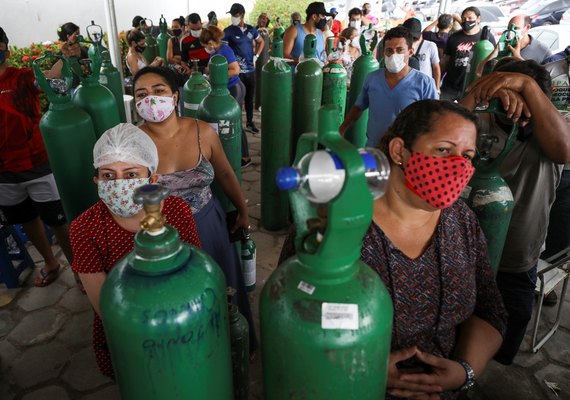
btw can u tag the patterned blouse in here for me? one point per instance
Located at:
(434, 293)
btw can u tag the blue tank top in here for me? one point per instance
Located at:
(300, 42)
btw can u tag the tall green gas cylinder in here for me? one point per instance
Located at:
(363, 65)
(508, 37)
(239, 336)
(165, 315)
(259, 63)
(479, 52)
(151, 50)
(335, 85)
(195, 90)
(96, 99)
(326, 317)
(308, 91)
(69, 138)
(162, 38)
(276, 142)
(95, 35)
(488, 194)
(111, 79)
(223, 113)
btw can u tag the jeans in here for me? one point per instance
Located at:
(517, 290)
(558, 237)
(238, 92)
(248, 80)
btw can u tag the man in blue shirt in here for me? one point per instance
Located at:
(240, 37)
(389, 90)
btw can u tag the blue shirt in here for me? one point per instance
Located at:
(231, 57)
(385, 104)
(300, 43)
(241, 42)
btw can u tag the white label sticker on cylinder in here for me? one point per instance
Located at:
(215, 126)
(191, 106)
(306, 287)
(103, 80)
(339, 316)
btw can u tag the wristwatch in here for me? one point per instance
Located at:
(470, 379)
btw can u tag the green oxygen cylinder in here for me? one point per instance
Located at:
(239, 335)
(487, 192)
(151, 50)
(479, 52)
(335, 85)
(248, 261)
(165, 315)
(96, 99)
(509, 37)
(363, 65)
(95, 35)
(276, 141)
(308, 91)
(330, 45)
(259, 63)
(111, 79)
(560, 73)
(69, 137)
(195, 90)
(326, 317)
(163, 37)
(223, 113)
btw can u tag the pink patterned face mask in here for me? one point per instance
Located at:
(155, 108)
(118, 195)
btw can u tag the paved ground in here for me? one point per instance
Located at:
(45, 335)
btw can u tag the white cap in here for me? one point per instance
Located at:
(126, 143)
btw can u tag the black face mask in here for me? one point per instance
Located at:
(176, 32)
(295, 22)
(365, 11)
(468, 25)
(321, 24)
(139, 48)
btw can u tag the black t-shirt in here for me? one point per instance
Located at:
(458, 49)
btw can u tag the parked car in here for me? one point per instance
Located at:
(545, 12)
(565, 19)
(555, 37)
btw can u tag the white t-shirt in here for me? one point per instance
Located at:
(428, 56)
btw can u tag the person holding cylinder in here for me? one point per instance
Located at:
(431, 254)
(124, 159)
(136, 41)
(191, 157)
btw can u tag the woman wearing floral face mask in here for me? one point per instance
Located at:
(124, 158)
(191, 157)
(431, 254)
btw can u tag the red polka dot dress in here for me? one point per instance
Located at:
(98, 242)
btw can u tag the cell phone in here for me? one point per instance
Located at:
(239, 234)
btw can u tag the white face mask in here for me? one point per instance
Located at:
(356, 25)
(209, 50)
(155, 108)
(395, 63)
(236, 20)
(195, 33)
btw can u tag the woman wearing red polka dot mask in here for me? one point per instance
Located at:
(430, 252)
(124, 158)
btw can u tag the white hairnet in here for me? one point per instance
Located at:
(126, 143)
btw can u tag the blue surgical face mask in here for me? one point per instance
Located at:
(3, 56)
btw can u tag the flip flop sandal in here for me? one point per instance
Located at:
(45, 278)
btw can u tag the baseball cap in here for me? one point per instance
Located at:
(333, 10)
(317, 7)
(236, 8)
(414, 26)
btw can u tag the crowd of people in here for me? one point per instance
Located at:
(451, 314)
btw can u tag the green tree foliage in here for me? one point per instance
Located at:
(278, 8)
